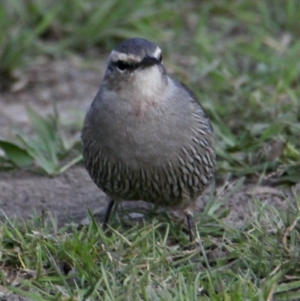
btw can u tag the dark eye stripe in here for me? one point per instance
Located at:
(121, 65)
(146, 62)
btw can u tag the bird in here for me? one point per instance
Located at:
(146, 136)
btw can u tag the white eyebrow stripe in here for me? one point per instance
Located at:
(157, 52)
(116, 56)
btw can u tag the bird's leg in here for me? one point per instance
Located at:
(107, 214)
(189, 218)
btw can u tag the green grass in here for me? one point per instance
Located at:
(152, 261)
(34, 27)
(242, 60)
(48, 148)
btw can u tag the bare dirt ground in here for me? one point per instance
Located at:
(72, 86)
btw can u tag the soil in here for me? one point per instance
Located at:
(72, 85)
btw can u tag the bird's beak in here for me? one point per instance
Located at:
(149, 61)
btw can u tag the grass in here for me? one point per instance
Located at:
(35, 27)
(242, 60)
(48, 148)
(140, 263)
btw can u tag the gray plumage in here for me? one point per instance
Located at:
(145, 136)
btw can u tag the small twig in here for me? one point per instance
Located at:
(287, 232)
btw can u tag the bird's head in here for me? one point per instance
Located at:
(136, 65)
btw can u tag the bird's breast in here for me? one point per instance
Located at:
(142, 109)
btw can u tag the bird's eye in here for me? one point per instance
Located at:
(122, 66)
